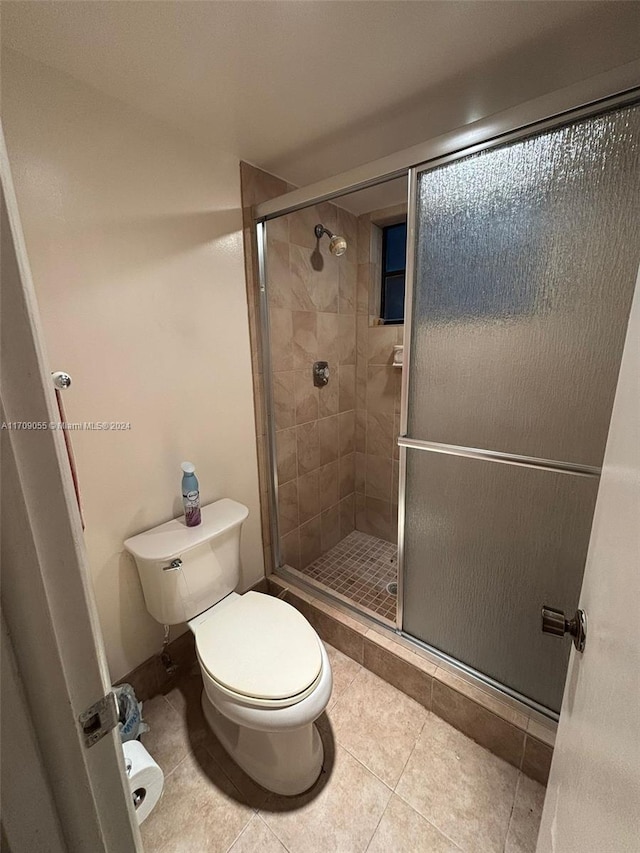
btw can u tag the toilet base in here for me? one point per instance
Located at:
(285, 762)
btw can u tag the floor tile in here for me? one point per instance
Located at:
(199, 810)
(403, 830)
(378, 724)
(186, 698)
(166, 741)
(464, 790)
(256, 837)
(343, 669)
(525, 817)
(340, 818)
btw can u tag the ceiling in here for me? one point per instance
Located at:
(309, 89)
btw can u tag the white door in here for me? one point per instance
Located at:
(593, 797)
(57, 668)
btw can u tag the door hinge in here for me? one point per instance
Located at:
(99, 718)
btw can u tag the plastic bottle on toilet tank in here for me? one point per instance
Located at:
(190, 495)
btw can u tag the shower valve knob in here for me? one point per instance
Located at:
(320, 374)
(555, 623)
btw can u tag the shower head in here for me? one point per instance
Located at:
(337, 244)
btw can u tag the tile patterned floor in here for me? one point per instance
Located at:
(359, 568)
(397, 779)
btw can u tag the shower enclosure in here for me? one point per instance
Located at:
(486, 444)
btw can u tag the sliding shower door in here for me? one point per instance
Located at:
(525, 261)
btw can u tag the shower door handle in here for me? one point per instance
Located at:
(555, 623)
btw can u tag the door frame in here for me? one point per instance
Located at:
(47, 598)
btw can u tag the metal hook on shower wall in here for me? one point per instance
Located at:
(61, 380)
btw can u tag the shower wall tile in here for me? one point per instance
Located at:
(330, 528)
(305, 338)
(328, 436)
(284, 399)
(378, 477)
(378, 518)
(299, 268)
(346, 339)
(310, 541)
(315, 279)
(347, 474)
(380, 343)
(279, 275)
(381, 388)
(278, 229)
(347, 283)
(329, 475)
(306, 397)
(346, 432)
(347, 387)
(290, 548)
(347, 515)
(301, 227)
(288, 506)
(303, 222)
(312, 301)
(308, 447)
(328, 396)
(348, 227)
(281, 339)
(308, 496)
(364, 238)
(361, 428)
(360, 473)
(362, 288)
(380, 438)
(286, 455)
(361, 385)
(397, 390)
(328, 347)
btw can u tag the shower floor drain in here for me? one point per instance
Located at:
(392, 588)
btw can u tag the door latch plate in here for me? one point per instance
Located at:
(98, 719)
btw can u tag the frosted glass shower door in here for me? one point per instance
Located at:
(525, 261)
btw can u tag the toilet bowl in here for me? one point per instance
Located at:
(267, 678)
(265, 671)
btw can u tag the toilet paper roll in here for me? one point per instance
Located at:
(146, 779)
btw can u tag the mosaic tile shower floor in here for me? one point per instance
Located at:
(359, 568)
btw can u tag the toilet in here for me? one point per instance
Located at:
(266, 673)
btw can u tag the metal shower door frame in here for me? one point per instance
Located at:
(405, 442)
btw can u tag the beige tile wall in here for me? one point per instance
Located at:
(312, 317)
(337, 459)
(378, 386)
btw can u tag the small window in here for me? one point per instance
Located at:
(394, 250)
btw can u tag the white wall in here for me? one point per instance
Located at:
(134, 235)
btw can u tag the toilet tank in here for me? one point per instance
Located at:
(185, 570)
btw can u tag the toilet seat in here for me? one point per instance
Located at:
(260, 650)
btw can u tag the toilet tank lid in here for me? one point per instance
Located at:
(174, 538)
